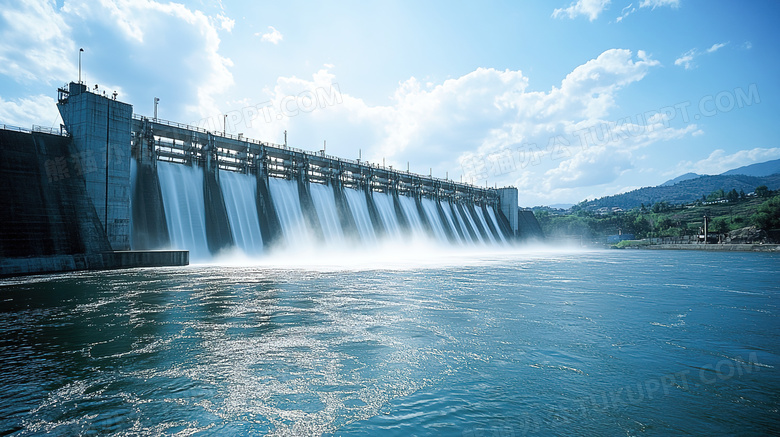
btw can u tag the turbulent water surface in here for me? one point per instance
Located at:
(511, 343)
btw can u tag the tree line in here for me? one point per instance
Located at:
(726, 211)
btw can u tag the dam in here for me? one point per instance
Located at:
(112, 182)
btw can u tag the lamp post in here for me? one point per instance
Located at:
(80, 51)
(156, 101)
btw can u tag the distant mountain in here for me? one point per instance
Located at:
(760, 169)
(686, 191)
(562, 205)
(681, 178)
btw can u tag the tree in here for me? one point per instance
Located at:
(543, 217)
(762, 191)
(715, 195)
(665, 223)
(767, 215)
(742, 194)
(640, 226)
(732, 196)
(719, 226)
(660, 207)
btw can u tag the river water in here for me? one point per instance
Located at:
(521, 342)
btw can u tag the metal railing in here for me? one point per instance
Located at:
(34, 128)
(315, 154)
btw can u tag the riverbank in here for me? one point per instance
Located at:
(718, 247)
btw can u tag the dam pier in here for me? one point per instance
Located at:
(115, 189)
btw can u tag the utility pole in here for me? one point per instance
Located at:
(224, 125)
(80, 52)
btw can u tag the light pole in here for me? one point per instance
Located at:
(80, 51)
(224, 125)
(156, 101)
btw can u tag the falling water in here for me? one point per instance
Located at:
(240, 193)
(471, 223)
(485, 226)
(284, 194)
(492, 216)
(458, 217)
(432, 213)
(325, 204)
(182, 192)
(183, 198)
(384, 204)
(133, 181)
(450, 222)
(357, 204)
(409, 208)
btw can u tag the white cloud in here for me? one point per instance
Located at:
(225, 22)
(719, 161)
(25, 112)
(625, 12)
(659, 3)
(652, 4)
(274, 36)
(152, 48)
(456, 124)
(686, 59)
(35, 43)
(589, 8)
(716, 47)
(171, 50)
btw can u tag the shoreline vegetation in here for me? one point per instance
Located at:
(724, 247)
(726, 221)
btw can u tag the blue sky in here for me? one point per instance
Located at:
(565, 100)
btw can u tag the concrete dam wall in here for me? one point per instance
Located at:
(45, 209)
(49, 222)
(114, 182)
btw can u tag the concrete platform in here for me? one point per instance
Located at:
(97, 261)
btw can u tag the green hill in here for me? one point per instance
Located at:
(760, 169)
(683, 192)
